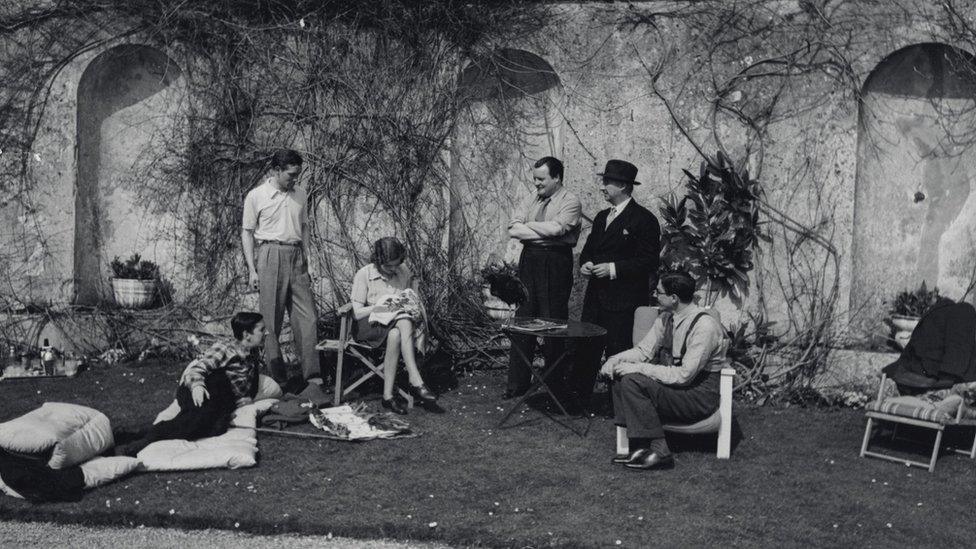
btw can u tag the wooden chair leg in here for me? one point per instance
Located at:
(935, 450)
(867, 437)
(972, 451)
(724, 446)
(623, 444)
(338, 380)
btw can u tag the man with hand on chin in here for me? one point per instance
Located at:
(620, 258)
(648, 393)
(548, 225)
(274, 238)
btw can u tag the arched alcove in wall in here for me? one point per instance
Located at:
(515, 101)
(915, 201)
(128, 100)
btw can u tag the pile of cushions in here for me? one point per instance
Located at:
(235, 449)
(51, 453)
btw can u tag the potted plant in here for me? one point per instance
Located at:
(713, 231)
(906, 310)
(134, 281)
(502, 289)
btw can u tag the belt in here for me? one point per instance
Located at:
(279, 242)
(547, 246)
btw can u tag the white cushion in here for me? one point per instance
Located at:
(103, 470)
(236, 448)
(76, 433)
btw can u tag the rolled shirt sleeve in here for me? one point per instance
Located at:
(359, 287)
(250, 221)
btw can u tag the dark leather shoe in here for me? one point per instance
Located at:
(394, 405)
(431, 406)
(652, 460)
(421, 392)
(623, 459)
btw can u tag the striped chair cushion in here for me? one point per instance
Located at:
(914, 407)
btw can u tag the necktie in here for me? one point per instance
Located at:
(541, 215)
(611, 216)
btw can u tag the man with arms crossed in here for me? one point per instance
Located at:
(548, 225)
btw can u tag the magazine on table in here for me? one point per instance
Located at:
(392, 307)
(536, 325)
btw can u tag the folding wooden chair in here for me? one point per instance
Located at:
(346, 344)
(720, 422)
(909, 410)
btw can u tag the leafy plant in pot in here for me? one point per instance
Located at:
(502, 289)
(906, 310)
(713, 231)
(134, 281)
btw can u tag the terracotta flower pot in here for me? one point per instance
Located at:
(904, 323)
(131, 293)
(903, 326)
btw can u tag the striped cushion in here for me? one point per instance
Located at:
(913, 407)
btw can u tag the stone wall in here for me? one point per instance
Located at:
(602, 108)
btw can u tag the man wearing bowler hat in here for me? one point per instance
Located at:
(620, 258)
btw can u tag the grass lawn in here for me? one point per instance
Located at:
(793, 480)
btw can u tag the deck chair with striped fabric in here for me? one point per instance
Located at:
(912, 410)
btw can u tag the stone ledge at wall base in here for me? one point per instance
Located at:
(131, 293)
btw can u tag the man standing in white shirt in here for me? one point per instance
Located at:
(274, 236)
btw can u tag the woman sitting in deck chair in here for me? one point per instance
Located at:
(388, 312)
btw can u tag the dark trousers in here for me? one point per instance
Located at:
(643, 405)
(548, 276)
(619, 326)
(212, 418)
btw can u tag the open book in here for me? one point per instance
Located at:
(392, 307)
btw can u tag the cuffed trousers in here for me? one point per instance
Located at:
(284, 283)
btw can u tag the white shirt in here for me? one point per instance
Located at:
(274, 214)
(616, 211)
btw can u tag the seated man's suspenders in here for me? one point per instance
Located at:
(665, 354)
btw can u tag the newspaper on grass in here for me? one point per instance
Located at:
(392, 307)
(345, 423)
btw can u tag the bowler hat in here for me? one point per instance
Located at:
(620, 170)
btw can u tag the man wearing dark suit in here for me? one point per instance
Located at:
(620, 258)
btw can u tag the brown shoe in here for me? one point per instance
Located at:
(652, 460)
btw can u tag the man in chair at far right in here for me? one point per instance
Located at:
(647, 393)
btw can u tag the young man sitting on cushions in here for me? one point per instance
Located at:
(212, 386)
